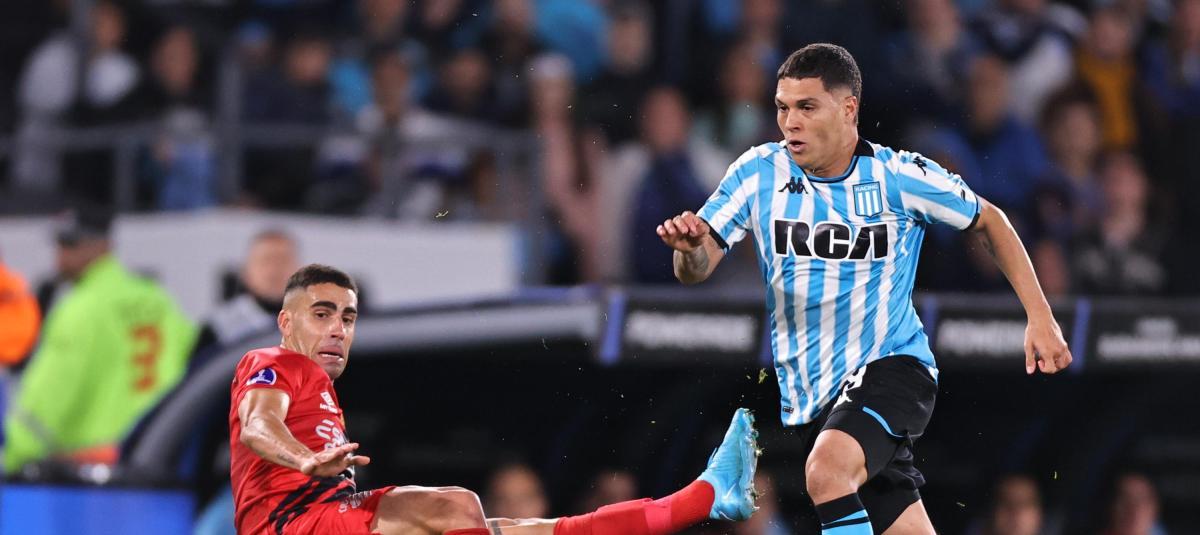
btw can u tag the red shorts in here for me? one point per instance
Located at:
(349, 516)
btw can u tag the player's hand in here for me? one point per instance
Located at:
(333, 461)
(684, 232)
(1045, 348)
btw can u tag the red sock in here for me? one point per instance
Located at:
(644, 517)
(468, 531)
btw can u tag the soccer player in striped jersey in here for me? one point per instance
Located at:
(292, 466)
(838, 224)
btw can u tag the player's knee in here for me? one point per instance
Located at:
(826, 479)
(437, 509)
(454, 508)
(462, 498)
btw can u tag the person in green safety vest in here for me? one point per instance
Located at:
(113, 344)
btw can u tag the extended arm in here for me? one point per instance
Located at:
(1044, 344)
(696, 251)
(262, 412)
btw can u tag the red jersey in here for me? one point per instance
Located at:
(267, 495)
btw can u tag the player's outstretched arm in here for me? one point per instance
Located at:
(262, 411)
(696, 252)
(1045, 348)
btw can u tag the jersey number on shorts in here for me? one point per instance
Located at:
(147, 343)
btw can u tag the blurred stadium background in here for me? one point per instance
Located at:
(492, 172)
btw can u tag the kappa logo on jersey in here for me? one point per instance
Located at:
(868, 201)
(921, 163)
(265, 376)
(830, 240)
(794, 185)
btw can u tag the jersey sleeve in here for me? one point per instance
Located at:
(728, 209)
(267, 373)
(932, 194)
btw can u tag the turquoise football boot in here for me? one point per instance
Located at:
(731, 470)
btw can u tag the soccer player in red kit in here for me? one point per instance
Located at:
(293, 467)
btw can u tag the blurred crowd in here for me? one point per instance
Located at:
(1078, 118)
(75, 409)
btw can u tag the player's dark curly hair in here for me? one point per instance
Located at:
(832, 64)
(319, 274)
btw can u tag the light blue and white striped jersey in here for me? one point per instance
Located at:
(839, 256)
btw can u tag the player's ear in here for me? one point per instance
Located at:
(284, 320)
(850, 106)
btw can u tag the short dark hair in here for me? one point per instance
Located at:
(831, 64)
(319, 274)
(82, 221)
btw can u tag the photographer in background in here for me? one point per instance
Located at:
(112, 345)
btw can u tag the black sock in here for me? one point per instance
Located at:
(844, 516)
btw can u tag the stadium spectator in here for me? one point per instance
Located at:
(1069, 198)
(1033, 38)
(765, 26)
(1105, 62)
(665, 174)
(762, 27)
(51, 94)
(1016, 507)
(515, 491)
(49, 87)
(1133, 507)
(570, 164)
(375, 24)
(610, 101)
(1122, 254)
(271, 257)
(297, 94)
(1009, 155)
(254, 48)
(175, 81)
(110, 348)
(464, 88)
(513, 43)
(181, 169)
(928, 59)
(405, 179)
(1171, 69)
(1171, 66)
(743, 117)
